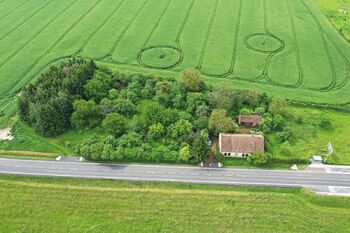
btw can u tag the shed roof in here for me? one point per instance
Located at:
(254, 119)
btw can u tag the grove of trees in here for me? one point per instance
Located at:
(140, 117)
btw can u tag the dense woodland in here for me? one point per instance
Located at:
(144, 118)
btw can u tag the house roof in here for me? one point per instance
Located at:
(241, 143)
(254, 119)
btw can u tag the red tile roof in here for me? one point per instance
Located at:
(254, 119)
(241, 143)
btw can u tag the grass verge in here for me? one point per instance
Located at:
(79, 205)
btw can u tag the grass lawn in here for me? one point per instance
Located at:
(73, 205)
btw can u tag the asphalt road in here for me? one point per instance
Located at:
(318, 180)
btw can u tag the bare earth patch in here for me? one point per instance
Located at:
(5, 134)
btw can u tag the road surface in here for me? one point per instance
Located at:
(323, 181)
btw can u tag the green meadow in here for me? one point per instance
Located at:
(284, 47)
(72, 205)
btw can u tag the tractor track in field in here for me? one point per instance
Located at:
(182, 28)
(324, 43)
(177, 42)
(264, 74)
(206, 39)
(109, 17)
(15, 9)
(156, 25)
(295, 44)
(121, 36)
(25, 20)
(235, 47)
(37, 34)
(145, 44)
(62, 36)
(30, 68)
(2, 1)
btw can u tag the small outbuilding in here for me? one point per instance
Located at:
(249, 120)
(241, 145)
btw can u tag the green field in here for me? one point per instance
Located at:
(284, 47)
(71, 205)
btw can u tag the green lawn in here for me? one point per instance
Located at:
(285, 47)
(309, 138)
(73, 205)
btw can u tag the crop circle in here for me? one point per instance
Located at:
(264, 43)
(160, 57)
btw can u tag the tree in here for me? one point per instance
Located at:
(200, 147)
(154, 113)
(86, 114)
(98, 87)
(220, 123)
(265, 124)
(51, 118)
(114, 124)
(156, 131)
(250, 98)
(192, 79)
(194, 100)
(258, 158)
(246, 111)
(277, 106)
(223, 97)
(184, 153)
(201, 123)
(124, 107)
(182, 129)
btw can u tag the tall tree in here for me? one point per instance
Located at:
(200, 147)
(192, 79)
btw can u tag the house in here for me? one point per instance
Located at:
(249, 120)
(241, 145)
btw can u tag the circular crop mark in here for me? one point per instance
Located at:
(160, 57)
(264, 43)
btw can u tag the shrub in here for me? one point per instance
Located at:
(285, 135)
(184, 153)
(259, 158)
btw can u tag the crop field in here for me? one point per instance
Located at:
(284, 47)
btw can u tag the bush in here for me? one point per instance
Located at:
(325, 123)
(259, 158)
(285, 135)
(184, 153)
